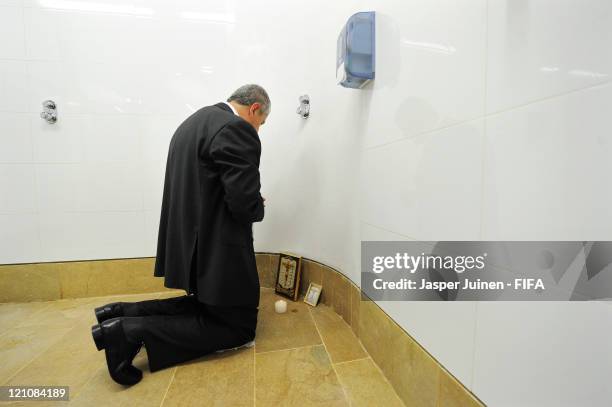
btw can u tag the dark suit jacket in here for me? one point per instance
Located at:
(211, 199)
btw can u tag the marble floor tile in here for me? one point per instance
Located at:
(291, 329)
(298, 377)
(220, 379)
(101, 390)
(71, 361)
(19, 346)
(61, 313)
(14, 313)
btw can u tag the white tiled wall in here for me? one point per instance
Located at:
(124, 75)
(546, 169)
(545, 48)
(426, 186)
(543, 354)
(489, 119)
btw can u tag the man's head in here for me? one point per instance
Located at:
(251, 103)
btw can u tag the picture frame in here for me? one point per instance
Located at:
(288, 275)
(313, 294)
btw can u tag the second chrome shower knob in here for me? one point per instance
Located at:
(49, 113)
(304, 109)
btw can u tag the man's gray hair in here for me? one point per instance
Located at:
(249, 94)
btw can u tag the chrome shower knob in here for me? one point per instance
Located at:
(49, 113)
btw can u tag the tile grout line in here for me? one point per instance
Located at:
(489, 114)
(255, 351)
(344, 322)
(84, 386)
(169, 384)
(349, 361)
(390, 231)
(386, 379)
(330, 359)
(484, 144)
(349, 325)
(76, 114)
(483, 162)
(255, 374)
(20, 324)
(346, 325)
(475, 331)
(440, 371)
(551, 97)
(483, 141)
(358, 319)
(26, 49)
(360, 343)
(285, 349)
(425, 133)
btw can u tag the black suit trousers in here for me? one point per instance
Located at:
(179, 329)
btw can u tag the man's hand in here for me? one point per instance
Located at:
(264, 201)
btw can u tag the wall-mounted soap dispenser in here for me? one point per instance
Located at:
(355, 51)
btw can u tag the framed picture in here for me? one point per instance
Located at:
(288, 275)
(313, 294)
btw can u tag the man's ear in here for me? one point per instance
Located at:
(255, 107)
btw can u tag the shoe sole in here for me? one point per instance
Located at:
(98, 336)
(120, 376)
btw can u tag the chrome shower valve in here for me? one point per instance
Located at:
(49, 113)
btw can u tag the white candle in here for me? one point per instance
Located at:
(280, 306)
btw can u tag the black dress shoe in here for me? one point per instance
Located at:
(120, 353)
(109, 311)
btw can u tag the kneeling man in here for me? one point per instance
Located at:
(205, 245)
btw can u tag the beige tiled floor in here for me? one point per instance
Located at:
(306, 357)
